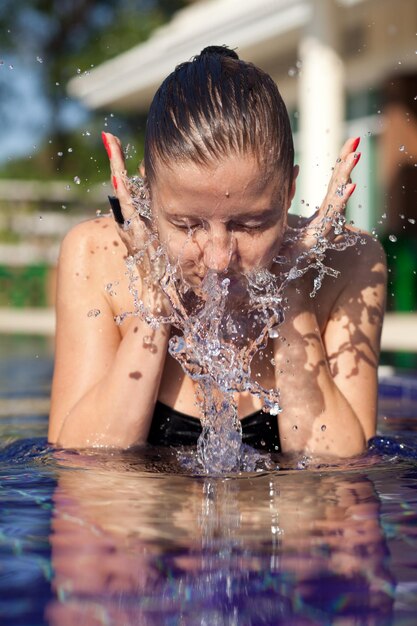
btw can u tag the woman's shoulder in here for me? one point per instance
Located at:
(361, 275)
(358, 273)
(353, 253)
(92, 241)
(363, 254)
(92, 231)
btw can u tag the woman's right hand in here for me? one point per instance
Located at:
(136, 231)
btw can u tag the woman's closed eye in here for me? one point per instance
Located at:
(232, 226)
(247, 227)
(186, 226)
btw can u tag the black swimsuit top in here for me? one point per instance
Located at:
(172, 428)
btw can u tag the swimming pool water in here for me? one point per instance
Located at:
(129, 538)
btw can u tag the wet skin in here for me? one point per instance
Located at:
(228, 215)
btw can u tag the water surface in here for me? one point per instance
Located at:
(127, 538)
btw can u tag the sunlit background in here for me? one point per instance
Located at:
(72, 68)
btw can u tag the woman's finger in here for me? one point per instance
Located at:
(341, 187)
(117, 164)
(344, 166)
(338, 193)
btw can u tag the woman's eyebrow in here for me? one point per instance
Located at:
(266, 213)
(244, 215)
(182, 216)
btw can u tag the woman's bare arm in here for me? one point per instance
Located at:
(328, 377)
(328, 383)
(104, 386)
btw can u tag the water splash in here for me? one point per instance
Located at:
(223, 324)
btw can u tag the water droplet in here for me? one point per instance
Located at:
(302, 464)
(402, 148)
(392, 238)
(295, 427)
(275, 409)
(2, 63)
(78, 70)
(39, 59)
(411, 220)
(340, 190)
(11, 67)
(147, 340)
(57, 83)
(323, 428)
(40, 217)
(93, 313)
(273, 333)
(67, 187)
(109, 288)
(63, 206)
(69, 149)
(77, 180)
(60, 154)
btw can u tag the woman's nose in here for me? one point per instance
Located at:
(218, 251)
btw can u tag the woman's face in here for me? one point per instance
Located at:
(223, 216)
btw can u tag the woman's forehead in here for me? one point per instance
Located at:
(231, 177)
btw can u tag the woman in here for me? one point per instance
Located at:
(219, 164)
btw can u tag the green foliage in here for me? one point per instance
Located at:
(24, 286)
(77, 153)
(60, 38)
(8, 236)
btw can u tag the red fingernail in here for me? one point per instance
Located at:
(357, 157)
(106, 144)
(352, 190)
(114, 181)
(356, 143)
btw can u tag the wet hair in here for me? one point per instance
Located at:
(216, 105)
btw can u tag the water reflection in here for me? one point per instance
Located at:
(130, 547)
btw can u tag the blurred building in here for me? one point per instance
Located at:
(344, 68)
(338, 63)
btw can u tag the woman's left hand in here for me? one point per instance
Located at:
(330, 215)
